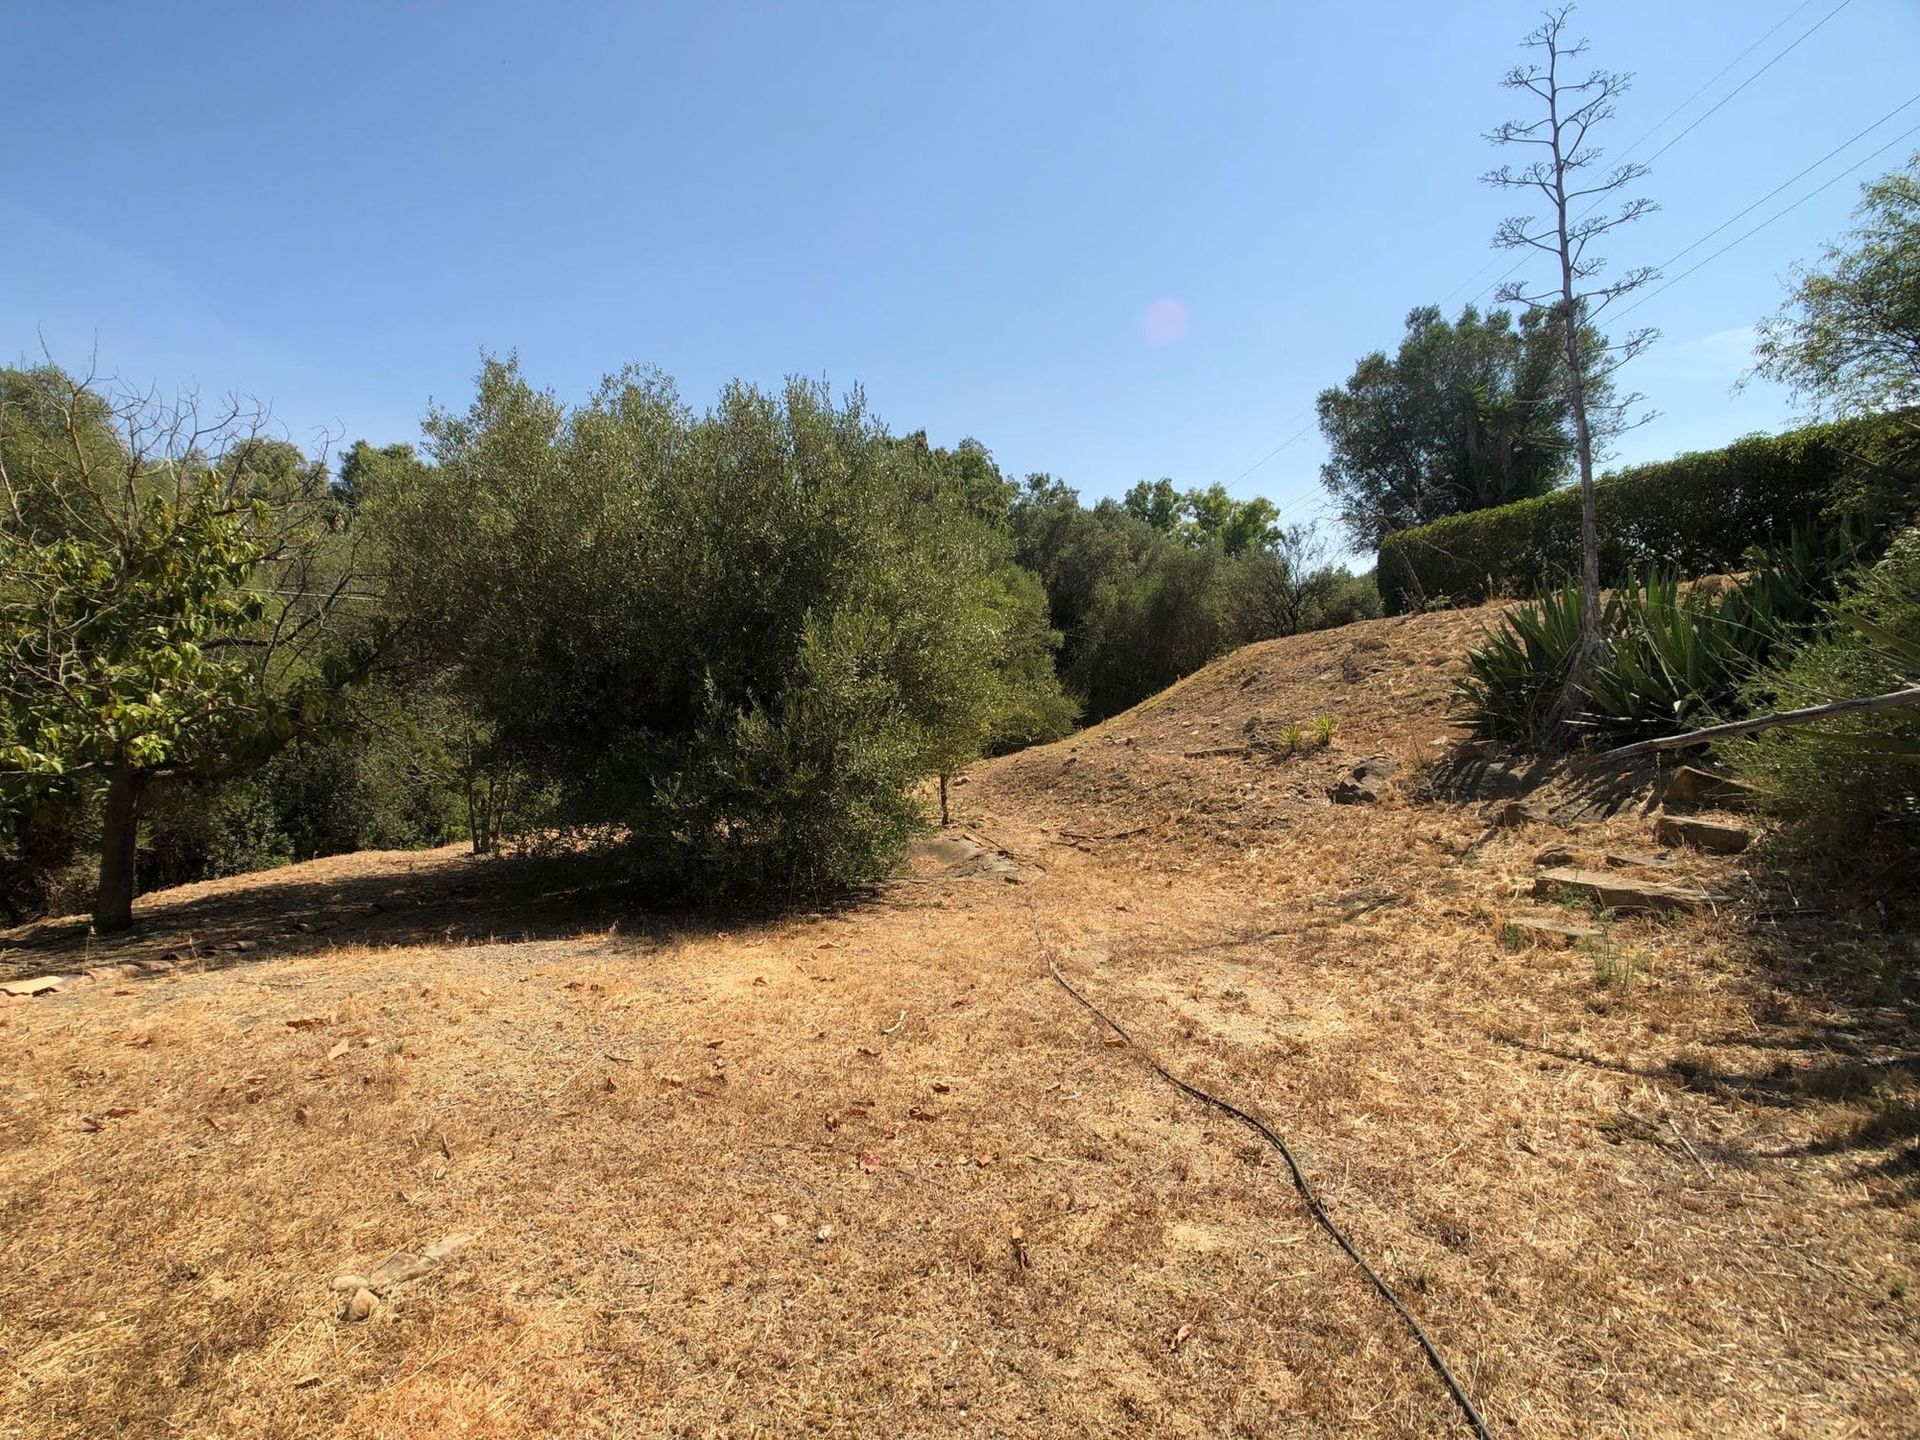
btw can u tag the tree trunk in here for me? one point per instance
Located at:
(945, 819)
(119, 834)
(1592, 644)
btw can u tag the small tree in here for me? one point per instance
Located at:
(1847, 339)
(167, 581)
(1582, 210)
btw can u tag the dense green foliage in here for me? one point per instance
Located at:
(1677, 658)
(1150, 589)
(738, 641)
(1695, 514)
(1848, 337)
(1466, 415)
(739, 638)
(1847, 774)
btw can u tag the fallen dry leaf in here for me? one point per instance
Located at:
(869, 1161)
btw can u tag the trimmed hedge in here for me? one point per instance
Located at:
(1696, 514)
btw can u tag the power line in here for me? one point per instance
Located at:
(1785, 184)
(1778, 214)
(1702, 118)
(1270, 454)
(1749, 80)
(1718, 105)
(1718, 75)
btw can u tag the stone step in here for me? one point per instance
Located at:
(1716, 835)
(1623, 893)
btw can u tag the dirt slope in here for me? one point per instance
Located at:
(873, 1172)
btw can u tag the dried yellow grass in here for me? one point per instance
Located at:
(766, 1178)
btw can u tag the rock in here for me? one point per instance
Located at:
(360, 1305)
(1613, 891)
(1557, 855)
(1369, 782)
(1497, 779)
(1690, 785)
(1539, 928)
(1714, 835)
(1635, 860)
(1523, 812)
(1475, 749)
(1357, 792)
(37, 985)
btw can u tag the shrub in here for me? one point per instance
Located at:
(1850, 774)
(1693, 514)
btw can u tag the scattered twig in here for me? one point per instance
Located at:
(1685, 1144)
(889, 1029)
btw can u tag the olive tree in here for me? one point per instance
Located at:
(739, 639)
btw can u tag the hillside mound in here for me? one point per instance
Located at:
(1209, 763)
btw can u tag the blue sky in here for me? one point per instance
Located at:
(1111, 240)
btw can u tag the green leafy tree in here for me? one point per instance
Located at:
(1202, 517)
(741, 638)
(1465, 415)
(1847, 339)
(170, 587)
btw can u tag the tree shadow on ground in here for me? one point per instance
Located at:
(439, 897)
(431, 897)
(1853, 1058)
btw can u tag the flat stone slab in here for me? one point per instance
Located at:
(1635, 859)
(38, 985)
(1613, 891)
(1714, 835)
(1690, 785)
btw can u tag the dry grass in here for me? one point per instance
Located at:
(1664, 1189)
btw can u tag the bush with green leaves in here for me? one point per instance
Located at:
(1693, 514)
(1850, 773)
(741, 638)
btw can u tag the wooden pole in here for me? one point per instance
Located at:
(1892, 700)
